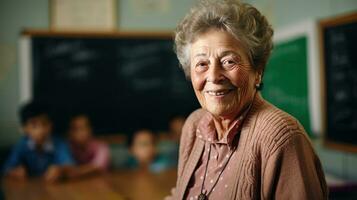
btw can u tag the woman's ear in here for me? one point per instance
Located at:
(258, 77)
(258, 80)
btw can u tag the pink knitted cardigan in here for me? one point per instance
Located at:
(275, 158)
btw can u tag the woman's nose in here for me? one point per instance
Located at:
(215, 73)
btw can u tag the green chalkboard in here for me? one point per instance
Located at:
(285, 79)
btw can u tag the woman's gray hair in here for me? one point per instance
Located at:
(240, 19)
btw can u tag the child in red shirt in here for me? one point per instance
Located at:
(90, 154)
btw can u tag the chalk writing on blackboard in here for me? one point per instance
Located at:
(340, 67)
(123, 83)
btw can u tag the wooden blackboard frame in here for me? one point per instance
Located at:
(322, 25)
(308, 29)
(99, 34)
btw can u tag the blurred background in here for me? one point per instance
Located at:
(113, 61)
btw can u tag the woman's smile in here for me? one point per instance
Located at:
(218, 94)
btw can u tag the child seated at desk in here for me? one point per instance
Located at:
(91, 155)
(169, 142)
(142, 146)
(38, 153)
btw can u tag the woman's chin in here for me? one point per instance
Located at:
(220, 110)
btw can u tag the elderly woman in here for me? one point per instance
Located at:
(238, 146)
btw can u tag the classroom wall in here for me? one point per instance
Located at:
(18, 14)
(14, 16)
(286, 12)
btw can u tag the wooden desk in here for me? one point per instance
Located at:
(119, 185)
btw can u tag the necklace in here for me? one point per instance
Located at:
(204, 195)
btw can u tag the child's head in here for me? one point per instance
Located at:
(142, 146)
(35, 122)
(80, 129)
(175, 126)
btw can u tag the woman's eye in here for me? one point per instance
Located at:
(228, 63)
(201, 66)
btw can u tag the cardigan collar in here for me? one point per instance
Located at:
(206, 129)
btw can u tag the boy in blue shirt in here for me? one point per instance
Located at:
(38, 153)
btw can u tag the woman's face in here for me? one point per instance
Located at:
(221, 74)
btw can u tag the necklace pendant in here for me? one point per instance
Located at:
(202, 197)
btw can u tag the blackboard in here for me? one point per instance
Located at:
(122, 81)
(285, 79)
(339, 47)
